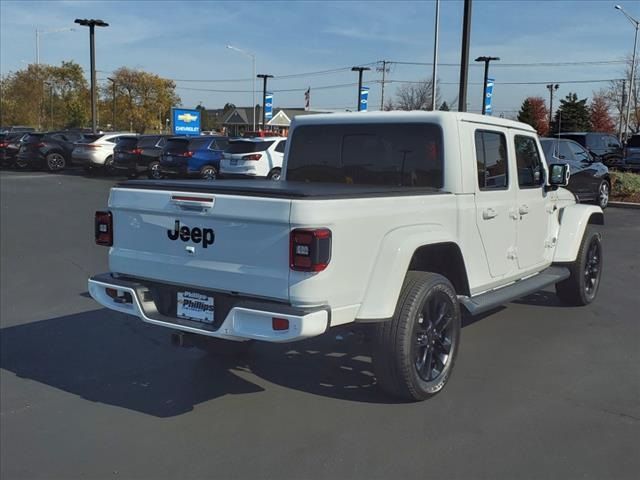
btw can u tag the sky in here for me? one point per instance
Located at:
(186, 41)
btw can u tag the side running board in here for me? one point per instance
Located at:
(521, 288)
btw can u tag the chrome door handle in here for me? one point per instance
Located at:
(523, 210)
(488, 213)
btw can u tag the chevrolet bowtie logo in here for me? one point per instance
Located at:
(187, 117)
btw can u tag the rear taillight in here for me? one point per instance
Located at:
(310, 249)
(39, 145)
(188, 154)
(104, 229)
(255, 156)
(137, 151)
(4, 145)
(93, 145)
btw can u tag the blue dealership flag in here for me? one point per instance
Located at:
(268, 106)
(364, 99)
(488, 96)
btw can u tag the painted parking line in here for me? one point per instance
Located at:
(20, 177)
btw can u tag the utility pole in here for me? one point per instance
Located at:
(486, 61)
(113, 113)
(464, 57)
(552, 88)
(384, 71)
(50, 85)
(91, 23)
(264, 78)
(622, 104)
(435, 59)
(359, 70)
(636, 24)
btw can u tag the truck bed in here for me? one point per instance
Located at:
(282, 189)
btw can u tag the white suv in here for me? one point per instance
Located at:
(96, 151)
(254, 157)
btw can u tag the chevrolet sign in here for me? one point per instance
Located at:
(186, 122)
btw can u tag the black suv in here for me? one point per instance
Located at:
(50, 150)
(605, 146)
(135, 155)
(9, 146)
(632, 154)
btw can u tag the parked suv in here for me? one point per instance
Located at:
(589, 180)
(192, 156)
(605, 146)
(134, 155)
(96, 151)
(254, 157)
(632, 154)
(49, 150)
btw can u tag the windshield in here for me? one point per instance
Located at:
(405, 154)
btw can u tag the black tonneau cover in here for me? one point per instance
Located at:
(282, 189)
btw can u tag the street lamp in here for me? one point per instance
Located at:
(253, 58)
(264, 78)
(636, 24)
(486, 61)
(113, 113)
(43, 32)
(91, 23)
(359, 70)
(552, 88)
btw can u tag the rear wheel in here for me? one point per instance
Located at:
(208, 172)
(154, 171)
(603, 194)
(274, 174)
(108, 165)
(55, 162)
(582, 286)
(414, 352)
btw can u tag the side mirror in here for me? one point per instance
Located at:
(558, 175)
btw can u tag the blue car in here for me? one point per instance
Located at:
(193, 156)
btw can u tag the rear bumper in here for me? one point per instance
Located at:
(88, 158)
(245, 320)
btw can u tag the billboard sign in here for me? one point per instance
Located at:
(364, 99)
(185, 121)
(488, 96)
(268, 106)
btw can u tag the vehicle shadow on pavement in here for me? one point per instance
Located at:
(542, 299)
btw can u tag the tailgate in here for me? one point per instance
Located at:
(229, 243)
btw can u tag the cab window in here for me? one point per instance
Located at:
(530, 170)
(491, 159)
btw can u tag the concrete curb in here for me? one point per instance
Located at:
(624, 204)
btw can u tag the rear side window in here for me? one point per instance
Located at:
(530, 171)
(405, 154)
(33, 138)
(199, 143)
(634, 141)
(127, 142)
(146, 142)
(177, 145)
(492, 161)
(247, 147)
(613, 142)
(220, 144)
(281, 146)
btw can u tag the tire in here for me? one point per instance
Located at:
(408, 350)
(154, 172)
(108, 165)
(582, 286)
(604, 190)
(55, 162)
(274, 174)
(21, 164)
(208, 173)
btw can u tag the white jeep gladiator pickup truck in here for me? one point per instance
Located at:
(401, 219)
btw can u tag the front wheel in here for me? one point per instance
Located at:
(582, 285)
(274, 174)
(603, 194)
(108, 165)
(55, 162)
(208, 173)
(414, 352)
(154, 171)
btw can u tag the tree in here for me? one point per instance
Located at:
(572, 116)
(444, 107)
(600, 118)
(617, 94)
(143, 99)
(534, 112)
(414, 96)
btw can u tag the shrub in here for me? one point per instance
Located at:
(625, 186)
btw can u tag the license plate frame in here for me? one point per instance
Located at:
(195, 306)
(234, 162)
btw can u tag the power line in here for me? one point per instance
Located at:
(534, 64)
(514, 83)
(322, 87)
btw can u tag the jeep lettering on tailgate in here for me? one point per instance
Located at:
(195, 234)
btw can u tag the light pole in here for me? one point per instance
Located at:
(43, 32)
(359, 70)
(464, 57)
(636, 24)
(264, 78)
(435, 59)
(253, 78)
(92, 24)
(486, 61)
(552, 88)
(113, 113)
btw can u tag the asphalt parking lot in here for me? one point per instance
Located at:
(539, 390)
